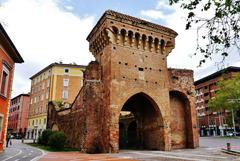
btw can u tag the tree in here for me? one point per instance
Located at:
(227, 98)
(228, 95)
(222, 29)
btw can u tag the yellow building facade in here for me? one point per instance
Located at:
(56, 82)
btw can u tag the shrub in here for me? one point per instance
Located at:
(44, 138)
(40, 140)
(57, 140)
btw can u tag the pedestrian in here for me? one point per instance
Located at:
(8, 139)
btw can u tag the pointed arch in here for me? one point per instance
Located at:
(149, 123)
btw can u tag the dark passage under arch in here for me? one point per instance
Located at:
(140, 124)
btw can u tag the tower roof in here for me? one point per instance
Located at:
(131, 20)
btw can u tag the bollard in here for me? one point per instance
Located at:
(228, 146)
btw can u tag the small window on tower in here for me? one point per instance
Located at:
(66, 70)
(140, 69)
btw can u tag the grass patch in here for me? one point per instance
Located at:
(48, 148)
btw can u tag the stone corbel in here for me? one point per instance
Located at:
(133, 41)
(151, 46)
(92, 48)
(145, 44)
(158, 47)
(167, 48)
(125, 39)
(118, 37)
(110, 35)
(104, 42)
(139, 42)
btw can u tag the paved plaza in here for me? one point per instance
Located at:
(210, 149)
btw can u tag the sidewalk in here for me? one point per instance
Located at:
(77, 156)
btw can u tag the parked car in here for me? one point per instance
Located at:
(233, 133)
(237, 133)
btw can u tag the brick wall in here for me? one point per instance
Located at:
(130, 74)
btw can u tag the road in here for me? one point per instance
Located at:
(210, 149)
(218, 142)
(20, 152)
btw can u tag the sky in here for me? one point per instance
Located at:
(47, 31)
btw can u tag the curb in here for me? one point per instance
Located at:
(231, 152)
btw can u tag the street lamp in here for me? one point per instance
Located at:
(233, 120)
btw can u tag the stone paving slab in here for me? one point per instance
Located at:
(76, 156)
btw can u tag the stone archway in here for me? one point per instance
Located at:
(141, 120)
(180, 120)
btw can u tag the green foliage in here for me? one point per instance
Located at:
(40, 140)
(60, 103)
(44, 138)
(228, 95)
(222, 28)
(229, 120)
(57, 140)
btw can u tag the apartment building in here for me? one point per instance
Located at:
(56, 82)
(212, 123)
(9, 55)
(18, 112)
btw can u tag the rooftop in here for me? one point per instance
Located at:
(8, 45)
(22, 94)
(57, 64)
(217, 74)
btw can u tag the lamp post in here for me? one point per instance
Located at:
(233, 122)
(233, 119)
(220, 124)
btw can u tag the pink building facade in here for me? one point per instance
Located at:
(18, 112)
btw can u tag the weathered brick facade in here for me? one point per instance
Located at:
(130, 74)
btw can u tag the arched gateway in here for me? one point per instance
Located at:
(141, 124)
(125, 101)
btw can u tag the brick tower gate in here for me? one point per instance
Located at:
(130, 99)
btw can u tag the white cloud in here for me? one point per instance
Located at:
(162, 4)
(158, 11)
(154, 14)
(43, 33)
(69, 7)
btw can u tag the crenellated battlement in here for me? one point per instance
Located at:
(124, 30)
